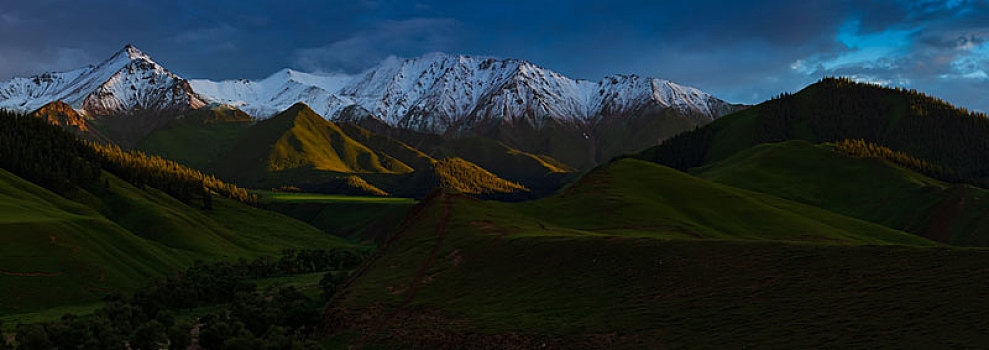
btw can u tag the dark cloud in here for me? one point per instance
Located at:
(744, 51)
(387, 38)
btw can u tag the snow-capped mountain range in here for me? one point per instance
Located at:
(434, 93)
(438, 91)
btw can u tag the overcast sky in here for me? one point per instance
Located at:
(742, 51)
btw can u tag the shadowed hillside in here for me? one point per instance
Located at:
(198, 138)
(864, 187)
(836, 109)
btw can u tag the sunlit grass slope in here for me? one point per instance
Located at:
(300, 138)
(539, 173)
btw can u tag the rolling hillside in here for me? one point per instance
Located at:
(637, 255)
(866, 188)
(836, 109)
(298, 148)
(299, 138)
(198, 138)
(636, 198)
(78, 230)
(59, 251)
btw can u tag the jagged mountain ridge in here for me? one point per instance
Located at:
(128, 82)
(435, 93)
(438, 92)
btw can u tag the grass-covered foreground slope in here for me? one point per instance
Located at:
(56, 251)
(626, 258)
(866, 188)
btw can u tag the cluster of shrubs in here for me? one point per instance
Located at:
(273, 318)
(861, 148)
(177, 180)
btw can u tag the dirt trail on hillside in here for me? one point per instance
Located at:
(416, 281)
(440, 233)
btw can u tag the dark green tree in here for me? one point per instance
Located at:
(4, 344)
(32, 337)
(149, 336)
(69, 333)
(330, 282)
(104, 336)
(179, 336)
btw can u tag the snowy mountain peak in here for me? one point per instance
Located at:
(124, 57)
(133, 53)
(129, 81)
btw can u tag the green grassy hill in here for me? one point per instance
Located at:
(637, 198)
(54, 251)
(298, 148)
(58, 251)
(465, 177)
(409, 155)
(75, 230)
(198, 138)
(453, 174)
(866, 188)
(300, 138)
(541, 174)
(641, 256)
(836, 109)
